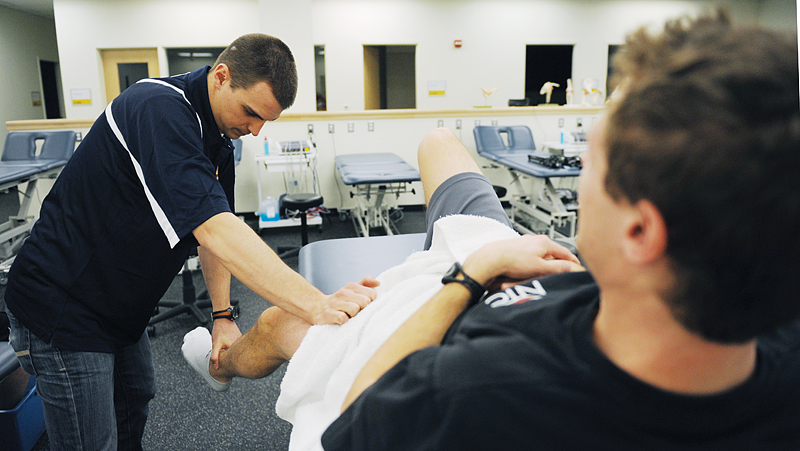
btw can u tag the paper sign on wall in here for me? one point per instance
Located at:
(436, 88)
(81, 96)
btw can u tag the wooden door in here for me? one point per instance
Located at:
(112, 59)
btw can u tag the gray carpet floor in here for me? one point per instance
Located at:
(186, 414)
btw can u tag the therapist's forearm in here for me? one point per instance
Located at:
(217, 278)
(245, 255)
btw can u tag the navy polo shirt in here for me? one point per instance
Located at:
(117, 225)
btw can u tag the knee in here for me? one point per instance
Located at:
(435, 140)
(267, 321)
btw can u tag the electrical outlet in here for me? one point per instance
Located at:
(440, 123)
(477, 122)
(330, 128)
(351, 127)
(311, 128)
(561, 122)
(370, 126)
(494, 122)
(580, 122)
(78, 136)
(458, 124)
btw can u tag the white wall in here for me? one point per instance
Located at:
(85, 26)
(24, 40)
(494, 35)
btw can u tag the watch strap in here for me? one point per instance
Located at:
(230, 313)
(476, 289)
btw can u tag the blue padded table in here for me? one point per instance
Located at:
(27, 157)
(510, 146)
(330, 264)
(374, 174)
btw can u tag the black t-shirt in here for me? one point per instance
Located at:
(117, 225)
(520, 371)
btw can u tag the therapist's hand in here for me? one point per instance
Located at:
(339, 307)
(223, 335)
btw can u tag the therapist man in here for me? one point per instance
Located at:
(151, 180)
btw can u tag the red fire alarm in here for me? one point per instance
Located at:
(457, 43)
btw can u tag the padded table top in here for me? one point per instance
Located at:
(519, 160)
(15, 170)
(331, 264)
(386, 167)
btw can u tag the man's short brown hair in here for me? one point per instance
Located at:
(257, 57)
(707, 127)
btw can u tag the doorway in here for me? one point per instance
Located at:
(390, 77)
(547, 63)
(50, 83)
(124, 67)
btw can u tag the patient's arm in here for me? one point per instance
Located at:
(517, 259)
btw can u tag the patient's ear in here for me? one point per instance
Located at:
(645, 238)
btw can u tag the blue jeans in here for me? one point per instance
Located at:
(92, 400)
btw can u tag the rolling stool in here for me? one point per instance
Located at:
(300, 202)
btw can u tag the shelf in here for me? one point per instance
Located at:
(316, 220)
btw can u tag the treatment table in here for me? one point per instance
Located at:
(27, 157)
(330, 264)
(374, 174)
(541, 203)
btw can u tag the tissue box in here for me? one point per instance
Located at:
(22, 426)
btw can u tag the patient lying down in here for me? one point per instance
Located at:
(676, 340)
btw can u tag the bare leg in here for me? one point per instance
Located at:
(440, 156)
(271, 342)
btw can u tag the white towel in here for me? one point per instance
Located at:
(327, 362)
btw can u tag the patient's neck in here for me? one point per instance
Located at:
(643, 339)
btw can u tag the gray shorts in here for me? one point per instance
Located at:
(467, 193)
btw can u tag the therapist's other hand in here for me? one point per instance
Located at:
(339, 307)
(223, 335)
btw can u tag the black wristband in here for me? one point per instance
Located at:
(231, 313)
(477, 290)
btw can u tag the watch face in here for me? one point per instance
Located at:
(452, 272)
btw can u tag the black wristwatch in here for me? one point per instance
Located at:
(471, 284)
(231, 313)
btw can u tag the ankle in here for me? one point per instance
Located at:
(217, 373)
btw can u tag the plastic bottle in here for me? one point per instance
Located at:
(268, 210)
(272, 146)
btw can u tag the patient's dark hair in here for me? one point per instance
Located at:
(257, 57)
(707, 127)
